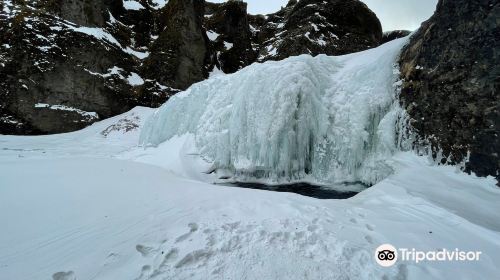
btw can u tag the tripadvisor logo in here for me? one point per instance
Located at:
(387, 255)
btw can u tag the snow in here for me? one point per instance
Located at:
(253, 29)
(102, 34)
(132, 5)
(112, 19)
(272, 50)
(92, 206)
(87, 142)
(95, 32)
(134, 79)
(159, 4)
(140, 55)
(7, 5)
(316, 119)
(216, 72)
(228, 45)
(114, 71)
(90, 115)
(212, 35)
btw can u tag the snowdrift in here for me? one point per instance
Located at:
(320, 119)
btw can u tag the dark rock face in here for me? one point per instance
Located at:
(84, 12)
(332, 27)
(393, 35)
(67, 64)
(179, 55)
(229, 32)
(451, 88)
(56, 76)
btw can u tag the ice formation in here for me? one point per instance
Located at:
(318, 119)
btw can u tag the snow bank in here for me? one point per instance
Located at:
(322, 119)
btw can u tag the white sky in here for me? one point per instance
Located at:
(393, 14)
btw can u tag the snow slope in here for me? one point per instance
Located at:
(318, 119)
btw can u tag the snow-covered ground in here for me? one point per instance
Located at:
(94, 205)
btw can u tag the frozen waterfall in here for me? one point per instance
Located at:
(318, 119)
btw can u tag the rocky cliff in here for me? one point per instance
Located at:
(57, 75)
(451, 88)
(313, 27)
(67, 64)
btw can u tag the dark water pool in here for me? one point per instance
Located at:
(305, 189)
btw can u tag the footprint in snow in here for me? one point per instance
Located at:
(145, 251)
(369, 227)
(369, 239)
(64, 275)
(145, 272)
(111, 258)
(192, 228)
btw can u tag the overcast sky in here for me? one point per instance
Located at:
(393, 14)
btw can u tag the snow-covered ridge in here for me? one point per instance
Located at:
(322, 119)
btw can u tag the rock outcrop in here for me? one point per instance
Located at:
(46, 74)
(393, 35)
(179, 55)
(228, 29)
(333, 27)
(59, 76)
(451, 88)
(85, 12)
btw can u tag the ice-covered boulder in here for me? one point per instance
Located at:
(321, 119)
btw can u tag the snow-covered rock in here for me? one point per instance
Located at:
(332, 27)
(322, 119)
